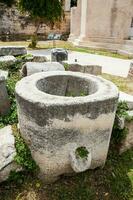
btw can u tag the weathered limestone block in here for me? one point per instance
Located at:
(60, 110)
(8, 60)
(127, 98)
(39, 58)
(12, 50)
(4, 74)
(7, 153)
(130, 73)
(59, 55)
(30, 68)
(128, 142)
(89, 68)
(4, 100)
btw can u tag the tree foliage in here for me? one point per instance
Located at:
(47, 11)
(8, 2)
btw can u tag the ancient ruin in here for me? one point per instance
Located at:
(64, 112)
(109, 26)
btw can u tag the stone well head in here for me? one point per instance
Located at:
(60, 112)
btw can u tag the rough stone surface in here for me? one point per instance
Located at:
(30, 68)
(128, 142)
(58, 110)
(59, 55)
(79, 164)
(39, 58)
(7, 148)
(7, 59)
(4, 100)
(127, 98)
(84, 68)
(130, 73)
(7, 153)
(12, 50)
(115, 15)
(4, 74)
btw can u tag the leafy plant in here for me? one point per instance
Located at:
(118, 134)
(23, 156)
(81, 152)
(33, 43)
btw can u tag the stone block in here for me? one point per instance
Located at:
(12, 50)
(4, 100)
(127, 98)
(130, 73)
(59, 110)
(4, 74)
(30, 68)
(79, 67)
(9, 60)
(39, 58)
(7, 153)
(59, 55)
(128, 142)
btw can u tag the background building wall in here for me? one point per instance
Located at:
(17, 25)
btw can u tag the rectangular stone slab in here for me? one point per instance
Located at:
(12, 50)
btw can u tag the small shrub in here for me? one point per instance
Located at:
(33, 43)
(118, 134)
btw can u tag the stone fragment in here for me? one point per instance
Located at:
(30, 68)
(128, 142)
(39, 58)
(79, 67)
(7, 153)
(130, 73)
(7, 147)
(59, 55)
(9, 60)
(127, 98)
(4, 100)
(4, 74)
(12, 50)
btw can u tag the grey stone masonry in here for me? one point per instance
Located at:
(60, 112)
(7, 153)
(4, 100)
(12, 50)
(30, 68)
(4, 74)
(130, 73)
(84, 68)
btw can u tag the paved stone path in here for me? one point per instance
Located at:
(113, 66)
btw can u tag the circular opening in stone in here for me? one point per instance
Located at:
(68, 86)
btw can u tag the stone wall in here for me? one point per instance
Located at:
(12, 22)
(102, 20)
